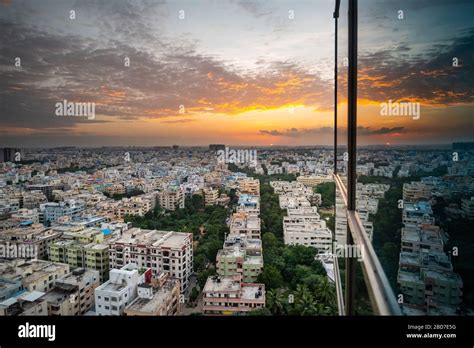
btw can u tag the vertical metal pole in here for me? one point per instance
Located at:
(351, 262)
(336, 16)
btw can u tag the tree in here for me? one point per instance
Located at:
(325, 292)
(275, 301)
(194, 294)
(271, 277)
(305, 304)
(328, 193)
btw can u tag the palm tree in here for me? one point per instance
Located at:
(325, 292)
(275, 301)
(305, 303)
(301, 291)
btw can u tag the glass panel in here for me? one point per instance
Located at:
(414, 159)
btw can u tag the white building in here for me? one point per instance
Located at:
(114, 295)
(299, 231)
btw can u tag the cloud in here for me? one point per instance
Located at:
(184, 120)
(57, 67)
(304, 132)
(430, 79)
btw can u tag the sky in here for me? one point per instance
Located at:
(247, 73)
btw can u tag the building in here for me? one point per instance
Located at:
(241, 259)
(28, 303)
(162, 251)
(244, 225)
(114, 295)
(172, 198)
(9, 287)
(52, 211)
(97, 258)
(424, 238)
(416, 191)
(417, 213)
(35, 275)
(46, 189)
(249, 204)
(227, 296)
(249, 186)
(135, 206)
(159, 297)
(210, 196)
(299, 231)
(28, 242)
(82, 249)
(313, 180)
(73, 294)
(426, 277)
(26, 215)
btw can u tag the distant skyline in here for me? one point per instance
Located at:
(243, 72)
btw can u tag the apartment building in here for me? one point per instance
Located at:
(244, 225)
(171, 198)
(159, 297)
(313, 180)
(46, 189)
(9, 287)
(240, 258)
(29, 242)
(73, 294)
(227, 296)
(97, 258)
(28, 303)
(135, 206)
(81, 248)
(115, 189)
(114, 295)
(210, 196)
(35, 275)
(423, 237)
(299, 231)
(417, 213)
(306, 213)
(162, 251)
(416, 191)
(249, 186)
(32, 200)
(249, 204)
(428, 276)
(26, 215)
(293, 201)
(52, 211)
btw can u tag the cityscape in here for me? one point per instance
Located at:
(186, 231)
(184, 171)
